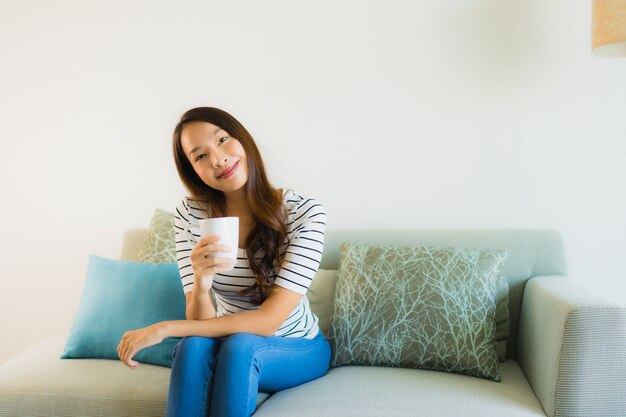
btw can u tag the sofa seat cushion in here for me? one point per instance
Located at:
(364, 391)
(38, 383)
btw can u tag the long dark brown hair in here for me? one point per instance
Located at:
(265, 201)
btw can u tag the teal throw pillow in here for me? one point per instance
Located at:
(417, 307)
(119, 296)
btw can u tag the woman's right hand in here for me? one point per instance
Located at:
(205, 265)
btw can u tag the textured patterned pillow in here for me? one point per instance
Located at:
(502, 317)
(321, 296)
(421, 307)
(159, 246)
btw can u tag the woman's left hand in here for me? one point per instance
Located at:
(135, 340)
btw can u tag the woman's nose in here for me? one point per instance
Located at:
(220, 162)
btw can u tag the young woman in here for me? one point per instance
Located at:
(261, 334)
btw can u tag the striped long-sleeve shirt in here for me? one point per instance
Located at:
(304, 244)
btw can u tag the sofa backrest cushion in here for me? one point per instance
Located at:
(531, 252)
(321, 295)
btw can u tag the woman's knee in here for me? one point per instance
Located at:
(239, 345)
(194, 346)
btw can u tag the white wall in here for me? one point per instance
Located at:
(455, 114)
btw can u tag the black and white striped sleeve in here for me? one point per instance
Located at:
(183, 247)
(304, 248)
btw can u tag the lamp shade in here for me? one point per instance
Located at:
(608, 27)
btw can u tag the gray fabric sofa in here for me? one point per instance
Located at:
(566, 353)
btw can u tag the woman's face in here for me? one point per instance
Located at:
(211, 151)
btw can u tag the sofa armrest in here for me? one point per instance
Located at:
(572, 348)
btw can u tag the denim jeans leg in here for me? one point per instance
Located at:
(191, 377)
(249, 363)
(294, 364)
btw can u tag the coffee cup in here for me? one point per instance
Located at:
(227, 228)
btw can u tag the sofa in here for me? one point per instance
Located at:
(566, 353)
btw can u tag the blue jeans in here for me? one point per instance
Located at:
(224, 375)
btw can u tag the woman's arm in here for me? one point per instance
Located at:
(199, 305)
(264, 321)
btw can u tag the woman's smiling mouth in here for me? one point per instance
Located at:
(228, 172)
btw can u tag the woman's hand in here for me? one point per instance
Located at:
(205, 265)
(135, 340)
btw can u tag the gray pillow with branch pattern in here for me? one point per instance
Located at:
(159, 245)
(417, 307)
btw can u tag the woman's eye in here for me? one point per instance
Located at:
(220, 142)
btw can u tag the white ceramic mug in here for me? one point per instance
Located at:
(227, 228)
